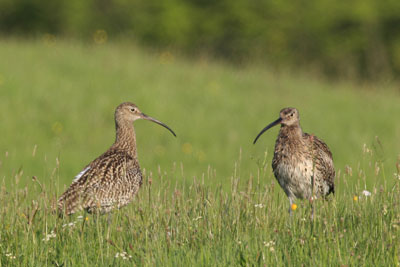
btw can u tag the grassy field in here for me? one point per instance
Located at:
(212, 199)
(197, 225)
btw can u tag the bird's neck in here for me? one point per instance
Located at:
(292, 131)
(126, 138)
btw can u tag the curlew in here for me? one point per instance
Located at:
(112, 180)
(302, 163)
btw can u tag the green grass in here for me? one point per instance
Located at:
(61, 97)
(196, 225)
(56, 115)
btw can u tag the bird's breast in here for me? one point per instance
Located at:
(293, 170)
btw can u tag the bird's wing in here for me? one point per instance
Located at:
(323, 161)
(114, 183)
(68, 201)
(93, 181)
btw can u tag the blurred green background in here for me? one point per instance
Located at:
(215, 71)
(356, 38)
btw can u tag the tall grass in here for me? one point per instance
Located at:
(171, 224)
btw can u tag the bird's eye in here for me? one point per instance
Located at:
(133, 109)
(291, 115)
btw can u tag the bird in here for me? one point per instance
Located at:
(112, 180)
(302, 163)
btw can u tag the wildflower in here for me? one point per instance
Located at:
(355, 198)
(124, 255)
(259, 206)
(187, 148)
(70, 225)
(49, 236)
(10, 255)
(269, 244)
(384, 210)
(100, 36)
(366, 193)
(294, 207)
(87, 219)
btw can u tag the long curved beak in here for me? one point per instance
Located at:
(145, 117)
(272, 124)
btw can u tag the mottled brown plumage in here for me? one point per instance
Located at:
(112, 180)
(302, 163)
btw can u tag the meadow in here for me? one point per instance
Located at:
(209, 196)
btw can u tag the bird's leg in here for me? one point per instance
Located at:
(311, 201)
(312, 211)
(109, 218)
(312, 198)
(290, 205)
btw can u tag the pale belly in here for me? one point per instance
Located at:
(295, 180)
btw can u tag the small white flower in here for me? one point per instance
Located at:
(10, 255)
(384, 210)
(49, 236)
(269, 244)
(124, 255)
(259, 206)
(70, 225)
(366, 193)
(80, 217)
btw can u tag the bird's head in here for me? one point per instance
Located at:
(129, 112)
(287, 117)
